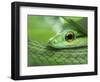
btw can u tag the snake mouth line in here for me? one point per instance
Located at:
(76, 47)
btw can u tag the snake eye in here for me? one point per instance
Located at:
(69, 36)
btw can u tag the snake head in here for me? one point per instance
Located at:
(68, 39)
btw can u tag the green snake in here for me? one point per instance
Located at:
(74, 35)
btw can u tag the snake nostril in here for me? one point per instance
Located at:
(55, 41)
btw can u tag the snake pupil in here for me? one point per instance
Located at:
(69, 36)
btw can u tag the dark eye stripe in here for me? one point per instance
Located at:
(79, 36)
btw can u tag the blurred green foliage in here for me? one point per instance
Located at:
(39, 30)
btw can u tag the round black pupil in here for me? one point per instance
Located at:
(70, 36)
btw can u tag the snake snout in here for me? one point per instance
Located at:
(52, 42)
